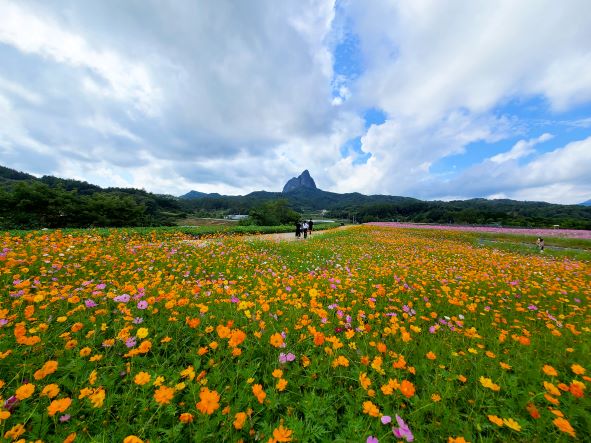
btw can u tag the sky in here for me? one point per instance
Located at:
(432, 99)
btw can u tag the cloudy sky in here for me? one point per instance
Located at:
(431, 99)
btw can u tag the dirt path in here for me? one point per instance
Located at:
(278, 237)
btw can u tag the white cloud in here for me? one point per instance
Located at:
(521, 149)
(560, 176)
(233, 97)
(22, 28)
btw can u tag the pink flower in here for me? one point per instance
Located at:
(403, 431)
(142, 304)
(386, 419)
(372, 439)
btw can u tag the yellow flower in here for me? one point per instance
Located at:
(488, 383)
(4, 414)
(436, 397)
(97, 397)
(512, 424)
(277, 373)
(142, 333)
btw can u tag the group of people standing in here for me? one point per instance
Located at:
(304, 228)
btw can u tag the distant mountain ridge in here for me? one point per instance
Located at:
(586, 203)
(30, 202)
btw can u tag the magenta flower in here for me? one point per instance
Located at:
(386, 419)
(284, 358)
(403, 431)
(90, 303)
(142, 304)
(372, 439)
(123, 298)
(130, 342)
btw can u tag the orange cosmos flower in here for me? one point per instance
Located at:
(577, 369)
(15, 432)
(282, 434)
(533, 411)
(407, 388)
(549, 370)
(276, 340)
(58, 406)
(577, 388)
(25, 391)
(257, 390)
(50, 390)
(239, 420)
(186, 417)
(142, 378)
(236, 338)
(132, 439)
(496, 420)
(364, 380)
(163, 395)
(564, 425)
(553, 390)
(281, 384)
(431, 356)
(370, 409)
(209, 401)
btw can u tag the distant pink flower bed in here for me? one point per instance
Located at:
(566, 233)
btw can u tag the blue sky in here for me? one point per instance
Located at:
(430, 99)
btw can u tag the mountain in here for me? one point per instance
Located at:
(196, 194)
(28, 202)
(303, 181)
(586, 203)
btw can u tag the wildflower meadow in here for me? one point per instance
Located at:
(367, 334)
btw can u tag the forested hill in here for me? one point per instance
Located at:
(366, 208)
(27, 202)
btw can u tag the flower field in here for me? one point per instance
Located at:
(563, 233)
(365, 334)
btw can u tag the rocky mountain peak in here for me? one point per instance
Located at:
(304, 180)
